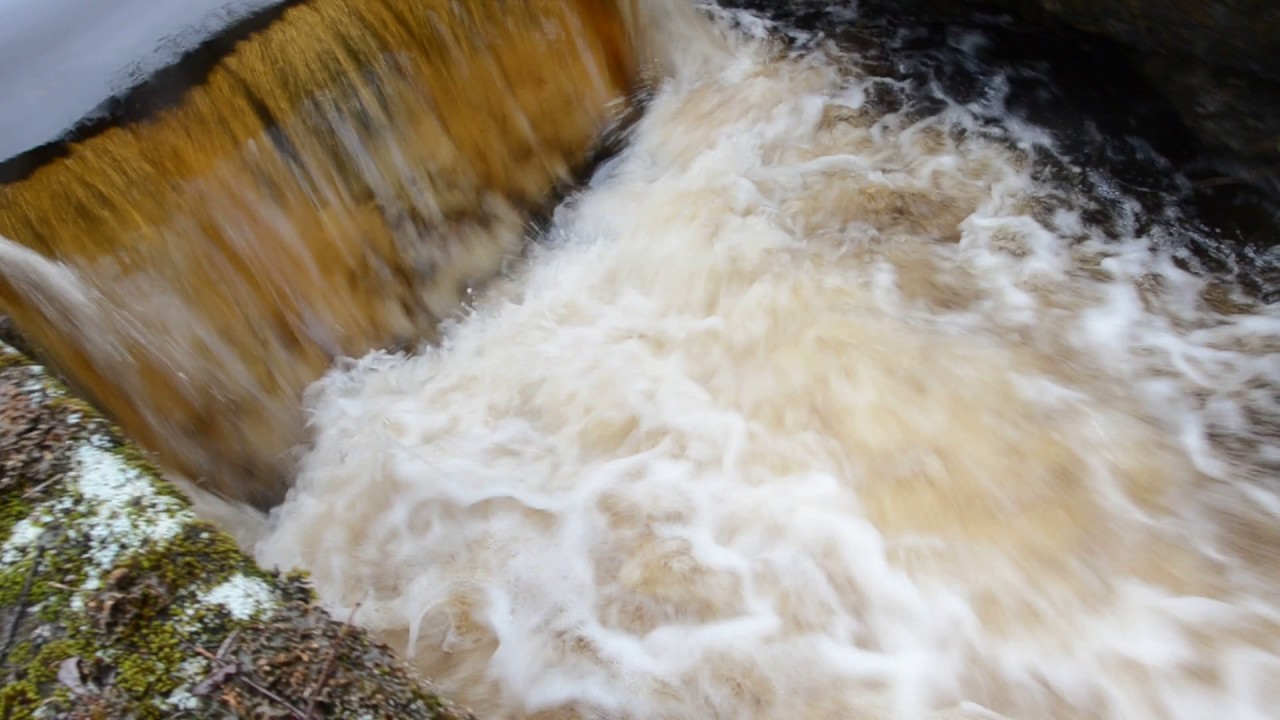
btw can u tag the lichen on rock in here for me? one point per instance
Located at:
(116, 601)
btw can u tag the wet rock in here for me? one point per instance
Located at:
(1218, 61)
(1229, 108)
(1242, 34)
(115, 601)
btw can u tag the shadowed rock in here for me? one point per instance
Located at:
(1218, 61)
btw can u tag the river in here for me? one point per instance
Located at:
(839, 393)
(893, 369)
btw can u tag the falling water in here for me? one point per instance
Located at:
(839, 393)
(323, 178)
(817, 404)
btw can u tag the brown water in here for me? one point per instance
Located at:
(813, 406)
(850, 389)
(341, 179)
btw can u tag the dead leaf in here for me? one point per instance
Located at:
(69, 675)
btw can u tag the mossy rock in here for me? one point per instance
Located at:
(116, 601)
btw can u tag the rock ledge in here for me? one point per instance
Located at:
(116, 601)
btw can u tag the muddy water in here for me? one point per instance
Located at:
(321, 179)
(838, 394)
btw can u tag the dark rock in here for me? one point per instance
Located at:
(1241, 34)
(1217, 61)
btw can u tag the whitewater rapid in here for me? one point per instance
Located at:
(811, 408)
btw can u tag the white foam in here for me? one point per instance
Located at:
(803, 412)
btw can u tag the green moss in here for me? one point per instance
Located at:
(10, 358)
(134, 674)
(67, 405)
(138, 630)
(295, 587)
(13, 509)
(136, 459)
(19, 695)
(14, 580)
(18, 700)
(130, 629)
(20, 653)
(188, 558)
(152, 669)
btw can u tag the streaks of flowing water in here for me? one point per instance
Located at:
(813, 408)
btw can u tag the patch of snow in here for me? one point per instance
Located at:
(25, 533)
(182, 699)
(242, 596)
(127, 513)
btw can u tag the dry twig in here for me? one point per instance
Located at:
(220, 668)
(21, 608)
(313, 695)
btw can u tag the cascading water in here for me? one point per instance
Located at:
(817, 404)
(319, 179)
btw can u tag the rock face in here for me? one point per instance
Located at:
(1227, 107)
(115, 601)
(1218, 61)
(1244, 34)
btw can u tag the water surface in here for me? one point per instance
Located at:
(840, 393)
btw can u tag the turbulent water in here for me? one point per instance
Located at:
(814, 405)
